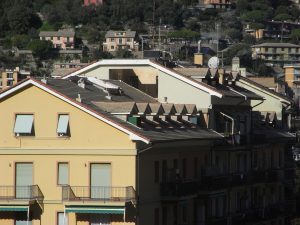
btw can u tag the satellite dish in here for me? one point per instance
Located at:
(213, 62)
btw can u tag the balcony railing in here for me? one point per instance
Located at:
(180, 188)
(32, 192)
(98, 193)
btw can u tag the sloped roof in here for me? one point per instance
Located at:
(146, 62)
(276, 45)
(59, 33)
(120, 33)
(258, 85)
(147, 135)
(117, 107)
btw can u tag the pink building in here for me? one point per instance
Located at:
(63, 39)
(92, 2)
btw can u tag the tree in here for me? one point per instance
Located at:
(184, 34)
(20, 41)
(124, 53)
(19, 19)
(283, 17)
(249, 39)
(255, 16)
(295, 35)
(242, 6)
(40, 48)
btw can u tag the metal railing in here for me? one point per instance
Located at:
(98, 193)
(32, 192)
(180, 188)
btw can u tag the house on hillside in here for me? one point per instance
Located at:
(277, 53)
(115, 40)
(61, 39)
(93, 2)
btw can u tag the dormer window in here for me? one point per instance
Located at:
(63, 128)
(24, 125)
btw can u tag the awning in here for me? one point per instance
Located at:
(14, 208)
(99, 210)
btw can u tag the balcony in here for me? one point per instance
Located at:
(21, 195)
(94, 195)
(174, 190)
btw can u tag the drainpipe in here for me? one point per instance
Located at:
(232, 125)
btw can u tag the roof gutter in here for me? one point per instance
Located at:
(246, 98)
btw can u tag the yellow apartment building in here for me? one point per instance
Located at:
(63, 161)
(9, 78)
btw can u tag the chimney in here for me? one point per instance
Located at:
(81, 83)
(198, 59)
(78, 99)
(235, 64)
(221, 76)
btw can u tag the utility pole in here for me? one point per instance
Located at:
(159, 33)
(153, 23)
(217, 27)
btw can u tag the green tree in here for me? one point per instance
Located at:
(40, 48)
(20, 41)
(255, 16)
(283, 17)
(19, 17)
(295, 35)
(242, 6)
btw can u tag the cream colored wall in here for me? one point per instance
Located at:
(271, 103)
(36, 101)
(178, 91)
(91, 141)
(146, 74)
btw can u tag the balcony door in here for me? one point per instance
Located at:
(100, 180)
(24, 180)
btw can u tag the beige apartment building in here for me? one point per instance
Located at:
(76, 152)
(115, 40)
(277, 53)
(9, 78)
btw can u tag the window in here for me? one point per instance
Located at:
(112, 39)
(156, 216)
(128, 39)
(184, 168)
(9, 83)
(58, 38)
(24, 125)
(112, 47)
(164, 215)
(164, 171)
(195, 168)
(63, 128)
(60, 219)
(156, 172)
(63, 173)
(120, 41)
